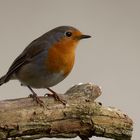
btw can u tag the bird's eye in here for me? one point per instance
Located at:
(68, 34)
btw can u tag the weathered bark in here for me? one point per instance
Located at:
(82, 116)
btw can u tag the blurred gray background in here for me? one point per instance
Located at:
(111, 58)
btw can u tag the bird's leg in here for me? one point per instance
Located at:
(35, 97)
(55, 95)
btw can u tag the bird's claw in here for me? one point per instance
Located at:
(56, 97)
(37, 99)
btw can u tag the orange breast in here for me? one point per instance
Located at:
(61, 57)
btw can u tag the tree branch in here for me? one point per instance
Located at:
(82, 116)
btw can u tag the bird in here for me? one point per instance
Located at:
(46, 61)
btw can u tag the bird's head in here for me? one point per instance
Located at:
(66, 37)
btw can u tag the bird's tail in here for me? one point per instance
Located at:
(2, 80)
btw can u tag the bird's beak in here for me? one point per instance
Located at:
(84, 36)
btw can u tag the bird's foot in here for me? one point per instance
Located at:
(55, 96)
(37, 99)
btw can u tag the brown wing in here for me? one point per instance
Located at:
(26, 56)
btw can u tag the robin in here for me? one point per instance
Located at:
(46, 61)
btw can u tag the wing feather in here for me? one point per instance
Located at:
(32, 50)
